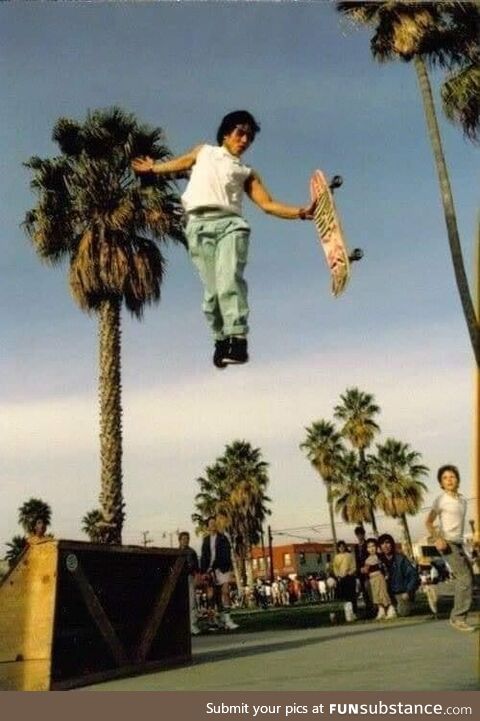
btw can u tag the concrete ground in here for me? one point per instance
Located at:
(413, 654)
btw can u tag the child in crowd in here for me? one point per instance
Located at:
(378, 585)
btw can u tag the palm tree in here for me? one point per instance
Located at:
(234, 489)
(30, 511)
(441, 33)
(397, 470)
(248, 480)
(325, 451)
(357, 411)
(353, 501)
(92, 211)
(15, 549)
(92, 525)
(213, 499)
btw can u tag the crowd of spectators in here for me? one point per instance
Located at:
(373, 578)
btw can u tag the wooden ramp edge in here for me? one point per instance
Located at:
(73, 613)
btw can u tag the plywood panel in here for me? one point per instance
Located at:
(25, 676)
(27, 602)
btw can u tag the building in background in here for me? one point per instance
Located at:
(301, 559)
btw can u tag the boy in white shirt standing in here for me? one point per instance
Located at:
(217, 234)
(450, 508)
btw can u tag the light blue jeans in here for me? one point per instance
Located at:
(218, 245)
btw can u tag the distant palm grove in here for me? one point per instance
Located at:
(359, 480)
(358, 483)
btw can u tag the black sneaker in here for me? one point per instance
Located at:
(219, 353)
(236, 350)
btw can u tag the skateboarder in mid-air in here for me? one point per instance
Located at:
(217, 233)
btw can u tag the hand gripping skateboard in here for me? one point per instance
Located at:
(330, 232)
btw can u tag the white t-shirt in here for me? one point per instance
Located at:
(213, 542)
(217, 180)
(451, 511)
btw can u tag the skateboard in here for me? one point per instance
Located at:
(330, 232)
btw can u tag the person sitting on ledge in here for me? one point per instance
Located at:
(402, 576)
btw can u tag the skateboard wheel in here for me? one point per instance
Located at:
(356, 254)
(336, 181)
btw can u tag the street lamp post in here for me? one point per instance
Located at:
(270, 553)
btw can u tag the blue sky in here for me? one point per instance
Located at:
(322, 102)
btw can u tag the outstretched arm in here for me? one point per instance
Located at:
(258, 193)
(176, 165)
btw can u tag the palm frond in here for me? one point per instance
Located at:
(398, 474)
(31, 510)
(461, 99)
(67, 134)
(92, 209)
(234, 488)
(92, 525)
(15, 548)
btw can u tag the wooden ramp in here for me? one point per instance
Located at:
(74, 613)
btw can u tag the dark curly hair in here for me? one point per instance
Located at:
(230, 122)
(448, 467)
(386, 537)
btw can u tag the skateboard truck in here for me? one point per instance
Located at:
(357, 253)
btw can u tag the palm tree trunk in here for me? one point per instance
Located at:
(408, 537)
(332, 518)
(237, 574)
(448, 207)
(111, 497)
(476, 398)
(363, 474)
(249, 571)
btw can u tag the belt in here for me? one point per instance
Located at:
(209, 210)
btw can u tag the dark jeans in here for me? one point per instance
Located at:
(346, 589)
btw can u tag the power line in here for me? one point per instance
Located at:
(318, 527)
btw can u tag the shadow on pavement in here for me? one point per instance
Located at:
(211, 655)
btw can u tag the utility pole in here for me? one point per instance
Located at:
(270, 552)
(146, 540)
(263, 553)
